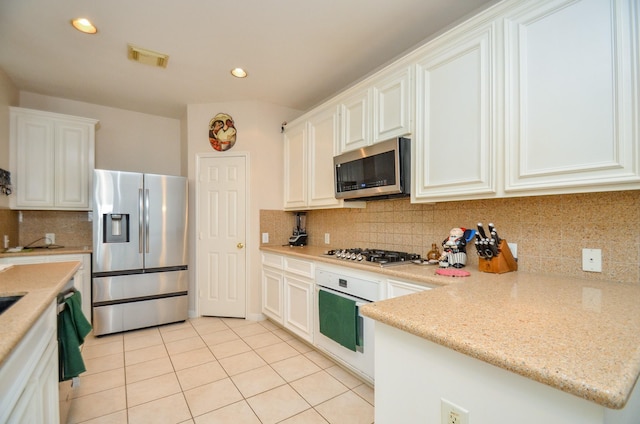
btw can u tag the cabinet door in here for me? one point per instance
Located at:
(455, 117)
(32, 145)
(272, 294)
(47, 384)
(400, 288)
(299, 306)
(73, 168)
(52, 156)
(322, 139)
(355, 121)
(392, 105)
(570, 92)
(295, 166)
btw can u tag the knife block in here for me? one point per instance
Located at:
(503, 262)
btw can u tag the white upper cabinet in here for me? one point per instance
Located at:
(524, 98)
(52, 160)
(356, 121)
(376, 110)
(309, 147)
(392, 104)
(455, 139)
(295, 165)
(321, 141)
(571, 89)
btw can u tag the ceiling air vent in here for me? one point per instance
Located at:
(148, 57)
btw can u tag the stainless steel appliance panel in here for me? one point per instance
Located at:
(129, 316)
(140, 253)
(165, 242)
(117, 192)
(123, 287)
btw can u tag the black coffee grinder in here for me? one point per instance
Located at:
(299, 237)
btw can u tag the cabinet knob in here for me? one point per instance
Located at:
(240, 245)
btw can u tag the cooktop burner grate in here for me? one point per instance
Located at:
(374, 256)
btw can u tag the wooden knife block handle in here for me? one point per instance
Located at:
(503, 262)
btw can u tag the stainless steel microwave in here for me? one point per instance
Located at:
(380, 171)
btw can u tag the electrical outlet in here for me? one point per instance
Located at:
(265, 238)
(327, 238)
(49, 238)
(6, 241)
(592, 260)
(513, 247)
(453, 414)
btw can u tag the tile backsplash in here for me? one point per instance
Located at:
(550, 231)
(72, 229)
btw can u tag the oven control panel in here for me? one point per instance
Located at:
(354, 286)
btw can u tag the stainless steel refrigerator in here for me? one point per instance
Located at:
(139, 251)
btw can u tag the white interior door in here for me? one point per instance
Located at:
(221, 228)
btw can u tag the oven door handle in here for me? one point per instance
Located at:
(360, 329)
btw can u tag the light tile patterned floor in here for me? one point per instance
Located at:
(215, 370)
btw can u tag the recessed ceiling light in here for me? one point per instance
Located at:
(84, 25)
(239, 73)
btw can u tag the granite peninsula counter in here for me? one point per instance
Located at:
(40, 284)
(581, 337)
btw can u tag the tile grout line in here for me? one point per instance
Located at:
(267, 330)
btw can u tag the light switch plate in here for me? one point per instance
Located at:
(265, 238)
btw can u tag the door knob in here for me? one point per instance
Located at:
(240, 245)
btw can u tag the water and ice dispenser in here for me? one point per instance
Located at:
(115, 228)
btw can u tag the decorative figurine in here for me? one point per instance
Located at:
(455, 248)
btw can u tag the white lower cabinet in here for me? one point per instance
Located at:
(272, 294)
(29, 377)
(396, 288)
(81, 279)
(287, 293)
(298, 294)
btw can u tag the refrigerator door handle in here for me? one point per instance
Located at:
(146, 220)
(140, 218)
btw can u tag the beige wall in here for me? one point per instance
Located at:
(550, 231)
(8, 97)
(125, 140)
(258, 126)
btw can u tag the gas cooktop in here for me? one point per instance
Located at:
(378, 257)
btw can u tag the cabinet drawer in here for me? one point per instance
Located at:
(296, 266)
(274, 261)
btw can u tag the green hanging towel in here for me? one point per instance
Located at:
(73, 327)
(338, 319)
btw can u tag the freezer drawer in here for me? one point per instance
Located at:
(132, 315)
(131, 286)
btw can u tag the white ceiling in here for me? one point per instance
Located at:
(297, 52)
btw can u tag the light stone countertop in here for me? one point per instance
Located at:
(420, 274)
(582, 337)
(40, 284)
(579, 336)
(40, 251)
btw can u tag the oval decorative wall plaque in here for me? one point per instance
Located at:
(222, 132)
